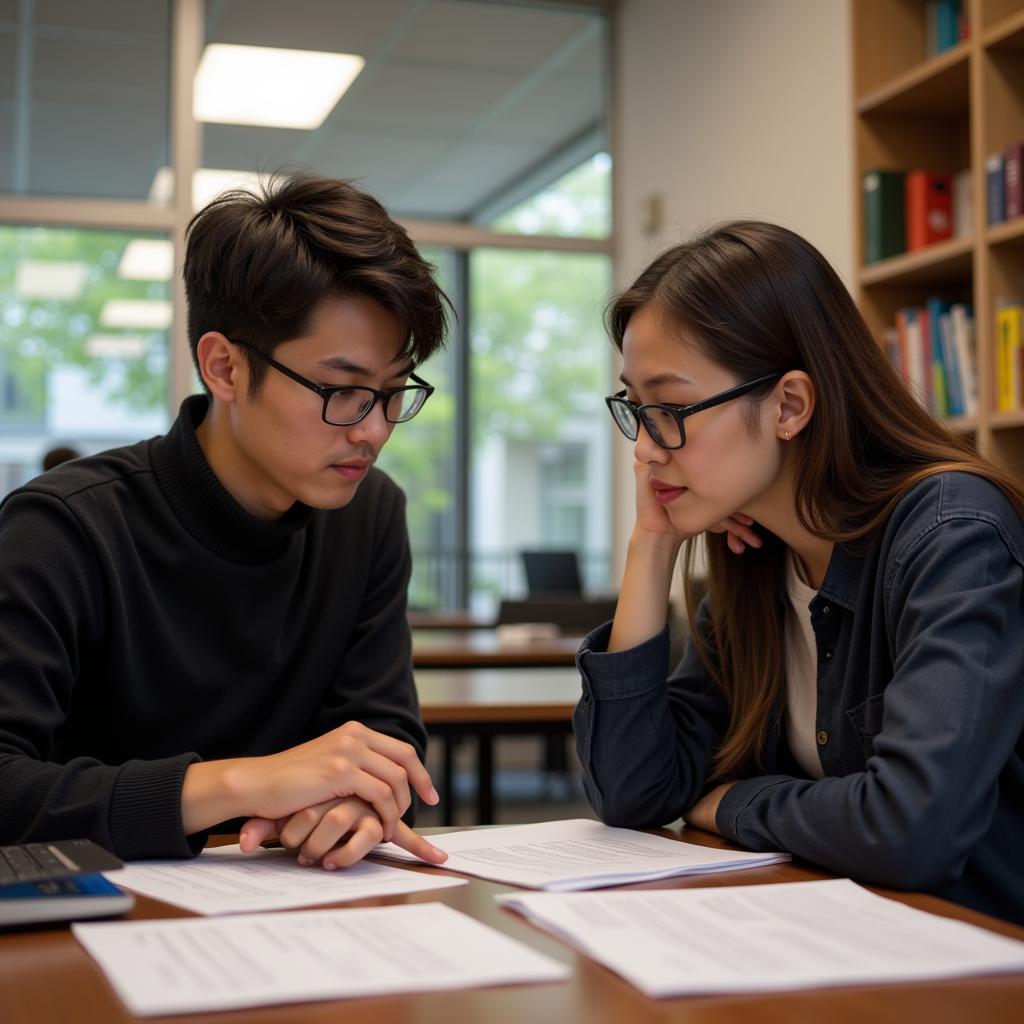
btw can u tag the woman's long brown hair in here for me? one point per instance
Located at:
(758, 299)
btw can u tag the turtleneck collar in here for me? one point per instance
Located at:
(203, 504)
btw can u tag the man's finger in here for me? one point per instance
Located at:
(417, 845)
(405, 755)
(254, 832)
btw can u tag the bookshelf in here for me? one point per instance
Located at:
(944, 113)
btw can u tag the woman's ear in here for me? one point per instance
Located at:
(795, 395)
(219, 365)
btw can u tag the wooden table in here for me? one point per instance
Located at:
(449, 620)
(46, 978)
(483, 703)
(481, 648)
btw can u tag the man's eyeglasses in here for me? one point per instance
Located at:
(349, 404)
(666, 423)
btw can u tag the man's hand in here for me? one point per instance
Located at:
(351, 760)
(336, 833)
(702, 814)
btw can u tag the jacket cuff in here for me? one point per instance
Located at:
(623, 673)
(145, 810)
(737, 798)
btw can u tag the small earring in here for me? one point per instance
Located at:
(787, 435)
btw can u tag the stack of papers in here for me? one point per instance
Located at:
(765, 937)
(201, 964)
(223, 880)
(563, 856)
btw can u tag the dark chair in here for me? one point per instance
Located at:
(552, 572)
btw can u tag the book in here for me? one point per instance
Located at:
(947, 24)
(884, 220)
(950, 360)
(565, 856)
(1013, 179)
(964, 341)
(939, 385)
(929, 208)
(915, 360)
(963, 205)
(1008, 339)
(995, 190)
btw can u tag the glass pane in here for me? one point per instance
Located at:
(540, 469)
(84, 318)
(420, 457)
(84, 97)
(460, 111)
(577, 204)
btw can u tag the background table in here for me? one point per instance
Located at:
(481, 648)
(482, 703)
(46, 978)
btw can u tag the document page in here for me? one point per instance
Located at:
(563, 856)
(197, 964)
(765, 937)
(223, 880)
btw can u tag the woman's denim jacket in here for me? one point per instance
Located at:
(920, 713)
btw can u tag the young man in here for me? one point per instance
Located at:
(211, 624)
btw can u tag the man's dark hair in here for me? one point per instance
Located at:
(259, 264)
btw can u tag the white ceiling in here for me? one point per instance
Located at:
(459, 99)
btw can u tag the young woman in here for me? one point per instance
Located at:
(853, 690)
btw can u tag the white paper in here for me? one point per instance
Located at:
(765, 937)
(223, 880)
(563, 856)
(200, 964)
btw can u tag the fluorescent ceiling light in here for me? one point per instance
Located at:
(116, 346)
(151, 314)
(50, 279)
(263, 85)
(147, 259)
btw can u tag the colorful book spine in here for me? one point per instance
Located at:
(966, 358)
(995, 188)
(947, 26)
(951, 362)
(916, 355)
(938, 379)
(884, 219)
(1008, 339)
(1013, 179)
(929, 209)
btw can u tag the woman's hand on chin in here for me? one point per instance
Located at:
(739, 531)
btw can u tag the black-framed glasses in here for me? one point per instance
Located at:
(348, 404)
(666, 423)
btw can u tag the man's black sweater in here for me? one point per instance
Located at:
(148, 621)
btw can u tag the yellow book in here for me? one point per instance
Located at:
(1008, 344)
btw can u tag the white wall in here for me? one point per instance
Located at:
(726, 109)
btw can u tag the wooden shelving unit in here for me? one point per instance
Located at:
(944, 113)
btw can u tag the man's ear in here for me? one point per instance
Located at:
(795, 393)
(222, 366)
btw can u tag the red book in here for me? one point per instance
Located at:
(1013, 160)
(929, 208)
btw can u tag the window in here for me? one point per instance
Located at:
(83, 342)
(540, 458)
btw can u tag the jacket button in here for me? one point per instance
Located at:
(826, 609)
(828, 654)
(822, 738)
